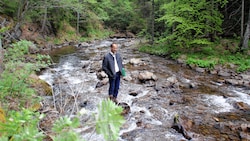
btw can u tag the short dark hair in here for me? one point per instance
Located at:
(112, 44)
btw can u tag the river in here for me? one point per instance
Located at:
(207, 109)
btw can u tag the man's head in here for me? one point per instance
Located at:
(113, 48)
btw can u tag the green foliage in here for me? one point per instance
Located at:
(18, 50)
(202, 63)
(157, 49)
(109, 120)
(9, 7)
(14, 80)
(21, 126)
(241, 60)
(64, 129)
(190, 21)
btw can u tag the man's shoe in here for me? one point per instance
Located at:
(115, 100)
(111, 97)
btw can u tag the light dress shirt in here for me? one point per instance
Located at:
(116, 65)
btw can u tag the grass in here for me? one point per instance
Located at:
(223, 52)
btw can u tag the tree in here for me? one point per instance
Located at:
(192, 20)
(1, 56)
(242, 18)
(245, 38)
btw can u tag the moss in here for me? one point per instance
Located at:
(35, 107)
(2, 115)
(41, 86)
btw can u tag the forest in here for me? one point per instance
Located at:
(204, 33)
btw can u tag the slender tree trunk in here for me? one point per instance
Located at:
(153, 22)
(1, 56)
(44, 18)
(247, 33)
(242, 19)
(77, 24)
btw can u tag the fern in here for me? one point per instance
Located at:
(21, 126)
(63, 128)
(109, 120)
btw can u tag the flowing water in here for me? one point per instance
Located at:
(205, 106)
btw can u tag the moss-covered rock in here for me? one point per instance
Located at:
(42, 87)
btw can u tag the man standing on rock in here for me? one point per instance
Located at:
(112, 66)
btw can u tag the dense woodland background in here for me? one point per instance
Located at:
(179, 22)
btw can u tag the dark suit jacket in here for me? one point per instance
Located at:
(108, 65)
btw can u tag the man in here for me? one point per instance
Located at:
(112, 66)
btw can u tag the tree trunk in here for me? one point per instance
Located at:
(77, 24)
(246, 35)
(242, 18)
(152, 21)
(44, 19)
(1, 56)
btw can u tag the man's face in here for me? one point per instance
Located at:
(114, 48)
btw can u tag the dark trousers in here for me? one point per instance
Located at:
(114, 85)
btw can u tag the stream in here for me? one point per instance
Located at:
(207, 109)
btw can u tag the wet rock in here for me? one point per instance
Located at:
(213, 71)
(83, 104)
(246, 83)
(245, 77)
(180, 61)
(144, 76)
(233, 81)
(135, 61)
(216, 119)
(242, 106)
(201, 70)
(245, 127)
(179, 127)
(126, 108)
(84, 44)
(102, 83)
(128, 78)
(224, 73)
(244, 136)
(101, 75)
(134, 93)
(94, 66)
(172, 79)
(41, 86)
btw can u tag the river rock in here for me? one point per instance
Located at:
(245, 127)
(246, 83)
(101, 75)
(135, 61)
(245, 76)
(244, 136)
(128, 78)
(179, 124)
(144, 76)
(103, 82)
(201, 70)
(126, 108)
(172, 80)
(84, 44)
(224, 73)
(242, 106)
(134, 93)
(214, 71)
(234, 81)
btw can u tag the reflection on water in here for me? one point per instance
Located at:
(58, 53)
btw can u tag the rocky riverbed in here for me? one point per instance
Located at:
(165, 99)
